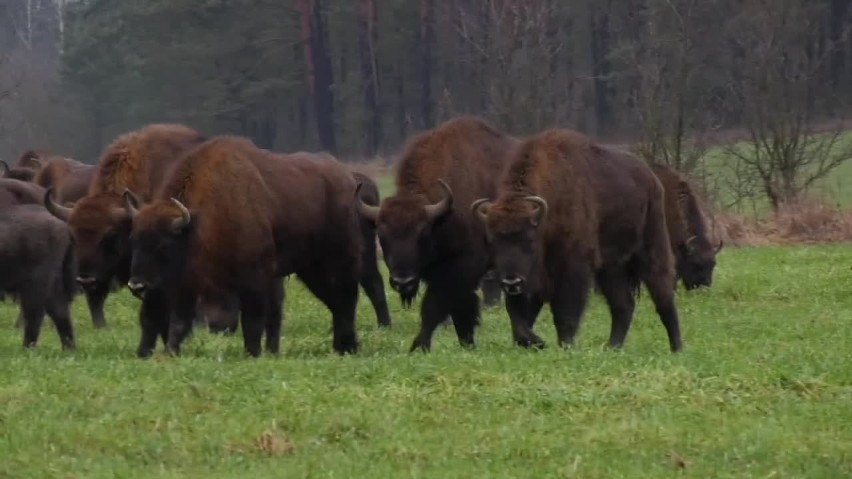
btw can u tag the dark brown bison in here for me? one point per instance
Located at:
(424, 237)
(99, 223)
(68, 178)
(688, 230)
(236, 219)
(569, 211)
(37, 262)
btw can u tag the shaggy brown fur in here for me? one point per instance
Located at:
(69, 178)
(687, 224)
(33, 159)
(255, 217)
(569, 210)
(138, 160)
(425, 237)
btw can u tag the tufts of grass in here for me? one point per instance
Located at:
(763, 389)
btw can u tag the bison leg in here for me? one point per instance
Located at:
(341, 299)
(433, 311)
(254, 305)
(491, 290)
(153, 321)
(95, 299)
(465, 314)
(33, 313)
(618, 289)
(374, 286)
(522, 311)
(181, 321)
(60, 314)
(274, 317)
(659, 288)
(569, 302)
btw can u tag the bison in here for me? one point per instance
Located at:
(570, 211)
(691, 241)
(425, 238)
(68, 178)
(22, 173)
(37, 262)
(99, 223)
(233, 218)
(17, 192)
(371, 278)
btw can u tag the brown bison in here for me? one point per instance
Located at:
(37, 262)
(569, 211)
(68, 178)
(687, 224)
(235, 218)
(371, 278)
(99, 223)
(425, 238)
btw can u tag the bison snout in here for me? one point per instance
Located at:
(403, 283)
(513, 284)
(137, 287)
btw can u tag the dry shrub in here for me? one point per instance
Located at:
(806, 222)
(374, 168)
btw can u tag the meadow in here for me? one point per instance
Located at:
(763, 389)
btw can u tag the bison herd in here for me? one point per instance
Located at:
(203, 231)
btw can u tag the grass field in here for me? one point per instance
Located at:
(763, 389)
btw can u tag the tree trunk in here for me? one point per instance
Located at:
(319, 69)
(427, 39)
(367, 39)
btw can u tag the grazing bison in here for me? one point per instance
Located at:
(37, 262)
(690, 239)
(425, 238)
(233, 218)
(99, 223)
(569, 211)
(68, 178)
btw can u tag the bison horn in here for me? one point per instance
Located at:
(541, 209)
(369, 212)
(479, 206)
(180, 223)
(55, 209)
(131, 202)
(4, 169)
(719, 248)
(441, 207)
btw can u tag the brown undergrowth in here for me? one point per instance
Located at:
(806, 222)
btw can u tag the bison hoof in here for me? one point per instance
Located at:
(144, 353)
(530, 343)
(346, 345)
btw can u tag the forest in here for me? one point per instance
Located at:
(671, 79)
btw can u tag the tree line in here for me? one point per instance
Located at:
(356, 77)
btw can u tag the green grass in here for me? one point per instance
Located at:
(762, 389)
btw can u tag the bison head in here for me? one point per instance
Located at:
(696, 259)
(21, 173)
(99, 226)
(405, 224)
(160, 241)
(512, 229)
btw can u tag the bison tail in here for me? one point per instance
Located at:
(69, 273)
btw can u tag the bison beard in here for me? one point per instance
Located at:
(38, 269)
(557, 224)
(245, 218)
(424, 238)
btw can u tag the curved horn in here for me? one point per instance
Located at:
(369, 212)
(180, 223)
(131, 202)
(441, 207)
(55, 209)
(478, 206)
(541, 211)
(719, 248)
(4, 169)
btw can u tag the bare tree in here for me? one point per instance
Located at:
(795, 140)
